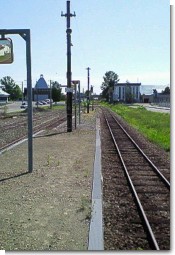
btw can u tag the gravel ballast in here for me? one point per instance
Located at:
(50, 208)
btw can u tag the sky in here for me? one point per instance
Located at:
(129, 37)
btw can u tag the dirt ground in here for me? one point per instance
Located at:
(48, 209)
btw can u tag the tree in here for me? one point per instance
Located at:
(17, 92)
(107, 86)
(11, 87)
(86, 93)
(155, 92)
(166, 91)
(155, 95)
(129, 96)
(56, 91)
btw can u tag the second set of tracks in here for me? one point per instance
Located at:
(15, 130)
(146, 215)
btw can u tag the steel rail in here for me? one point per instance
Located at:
(148, 227)
(9, 145)
(167, 183)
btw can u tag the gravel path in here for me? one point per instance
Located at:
(48, 209)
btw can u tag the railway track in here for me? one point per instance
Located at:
(150, 192)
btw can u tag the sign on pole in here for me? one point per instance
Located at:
(69, 90)
(75, 81)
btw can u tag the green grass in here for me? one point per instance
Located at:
(56, 107)
(5, 58)
(153, 125)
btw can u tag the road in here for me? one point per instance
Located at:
(153, 108)
(15, 106)
(11, 107)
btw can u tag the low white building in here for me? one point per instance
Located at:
(4, 96)
(127, 92)
(4, 49)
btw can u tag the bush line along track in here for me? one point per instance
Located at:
(149, 187)
(38, 126)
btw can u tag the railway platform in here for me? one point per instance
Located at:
(50, 208)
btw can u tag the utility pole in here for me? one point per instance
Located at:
(50, 94)
(68, 15)
(22, 92)
(79, 101)
(88, 97)
(75, 100)
(75, 82)
(92, 88)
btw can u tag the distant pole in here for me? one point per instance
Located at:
(75, 100)
(92, 97)
(88, 97)
(50, 94)
(68, 15)
(22, 92)
(79, 101)
(37, 93)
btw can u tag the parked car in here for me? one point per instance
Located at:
(43, 102)
(48, 101)
(39, 103)
(23, 105)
